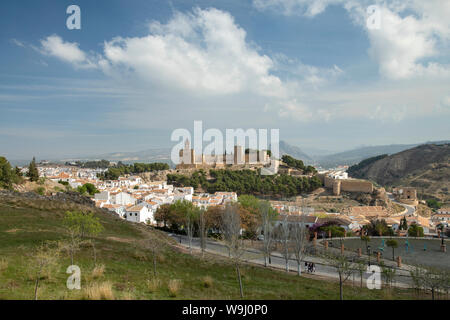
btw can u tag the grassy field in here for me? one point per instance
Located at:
(125, 268)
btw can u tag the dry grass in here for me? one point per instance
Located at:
(98, 291)
(161, 258)
(207, 281)
(3, 264)
(174, 287)
(153, 284)
(127, 296)
(98, 271)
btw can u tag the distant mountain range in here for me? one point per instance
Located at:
(425, 167)
(315, 157)
(293, 151)
(356, 155)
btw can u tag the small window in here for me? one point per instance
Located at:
(135, 214)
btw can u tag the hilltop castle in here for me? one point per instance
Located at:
(188, 158)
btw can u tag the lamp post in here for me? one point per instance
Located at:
(368, 252)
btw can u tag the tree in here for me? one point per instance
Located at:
(231, 230)
(91, 189)
(268, 217)
(415, 230)
(190, 218)
(434, 204)
(343, 267)
(300, 239)
(45, 259)
(202, 230)
(366, 239)
(403, 224)
(283, 236)
(33, 172)
(80, 225)
(392, 243)
(388, 274)
(361, 266)
(300, 235)
(162, 214)
(6, 173)
(430, 278)
(249, 215)
(154, 245)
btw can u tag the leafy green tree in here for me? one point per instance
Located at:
(91, 189)
(33, 172)
(434, 204)
(415, 230)
(403, 224)
(392, 243)
(80, 225)
(6, 173)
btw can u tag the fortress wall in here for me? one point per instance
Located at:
(337, 187)
(351, 185)
(328, 182)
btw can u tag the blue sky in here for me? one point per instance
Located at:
(138, 70)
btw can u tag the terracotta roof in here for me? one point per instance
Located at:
(135, 208)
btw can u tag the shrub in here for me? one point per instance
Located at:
(207, 281)
(174, 287)
(3, 264)
(98, 271)
(40, 190)
(98, 291)
(153, 284)
(127, 296)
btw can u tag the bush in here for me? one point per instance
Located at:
(40, 191)
(153, 284)
(98, 291)
(174, 287)
(434, 204)
(415, 230)
(98, 271)
(207, 281)
(3, 264)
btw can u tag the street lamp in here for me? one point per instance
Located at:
(368, 252)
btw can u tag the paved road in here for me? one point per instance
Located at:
(277, 261)
(411, 210)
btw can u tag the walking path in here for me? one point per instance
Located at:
(277, 261)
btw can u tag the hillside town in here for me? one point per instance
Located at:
(135, 199)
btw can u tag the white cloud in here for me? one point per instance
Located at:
(409, 43)
(202, 51)
(202, 61)
(18, 43)
(66, 51)
(293, 7)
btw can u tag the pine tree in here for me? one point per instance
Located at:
(33, 172)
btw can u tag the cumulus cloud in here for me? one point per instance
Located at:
(200, 55)
(66, 51)
(410, 39)
(200, 51)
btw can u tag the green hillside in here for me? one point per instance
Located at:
(122, 248)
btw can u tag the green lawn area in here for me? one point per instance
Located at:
(121, 248)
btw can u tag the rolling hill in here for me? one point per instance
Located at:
(124, 256)
(425, 167)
